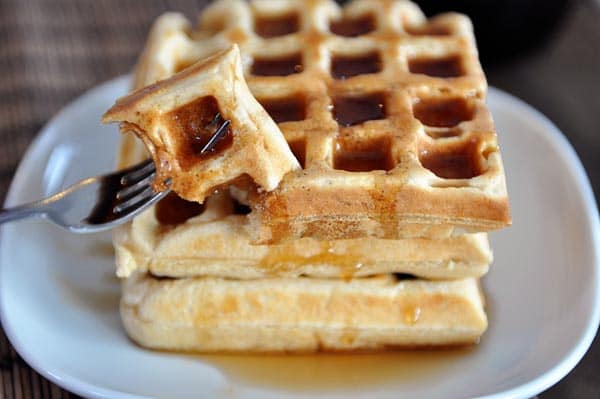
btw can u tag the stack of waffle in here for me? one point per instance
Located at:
(375, 237)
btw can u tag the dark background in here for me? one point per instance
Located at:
(545, 52)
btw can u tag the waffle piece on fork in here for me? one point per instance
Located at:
(204, 129)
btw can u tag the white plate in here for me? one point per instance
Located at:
(58, 296)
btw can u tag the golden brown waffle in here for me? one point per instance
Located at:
(217, 243)
(253, 312)
(178, 118)
(300, 314)
(383, 108)
(184, 239)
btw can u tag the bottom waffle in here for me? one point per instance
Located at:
(300, 314)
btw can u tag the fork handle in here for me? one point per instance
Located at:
(20, 212)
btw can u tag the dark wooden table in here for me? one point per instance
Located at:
(52, 51)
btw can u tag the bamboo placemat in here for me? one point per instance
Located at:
(52, 51)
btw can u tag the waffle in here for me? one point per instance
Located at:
(197, 280)
(383, 109)
(176, 120)
(184, 239)
(300, 314)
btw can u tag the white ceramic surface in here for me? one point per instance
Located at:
(58, 296)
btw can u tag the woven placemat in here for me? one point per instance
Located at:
(52, 51)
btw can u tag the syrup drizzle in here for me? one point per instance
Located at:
(193, 125)
(279, 25)
(281, 66)
(283, 256)
(448, 67)
(298, 148)
(348, 111)
(173, 210)
(460, 162)
(363, 157)
(287, 109)
(345, 66)
(447, 112)
(352, 27)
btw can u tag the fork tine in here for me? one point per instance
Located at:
(136, 187)
(138, 173)
(137, 180)
(142, 196)
(216, 136)
(148, 202)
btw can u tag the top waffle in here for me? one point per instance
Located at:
(383, 109)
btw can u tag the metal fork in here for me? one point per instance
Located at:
(103, 202)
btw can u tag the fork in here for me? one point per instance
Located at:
(103, 202)
(96, 203)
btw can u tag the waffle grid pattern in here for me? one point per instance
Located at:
(373, 87)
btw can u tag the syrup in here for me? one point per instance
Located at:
(283, 255)
(281, 66)
(344, 66)
(240, 209)
(458, 163)
(411, 314)
(372, 155)
(298, 148)
(442, 112)
(273, 26)
(193, 126)
(174, 210)
(287, 109)
(428, 30)
(444, 133)
(448, 67)
(352, 27)
(338, 371)
(348, 111)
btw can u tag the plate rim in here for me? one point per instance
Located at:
(548, 378)
(559, 141)
(45, 135)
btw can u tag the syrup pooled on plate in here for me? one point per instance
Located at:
(338, 371)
